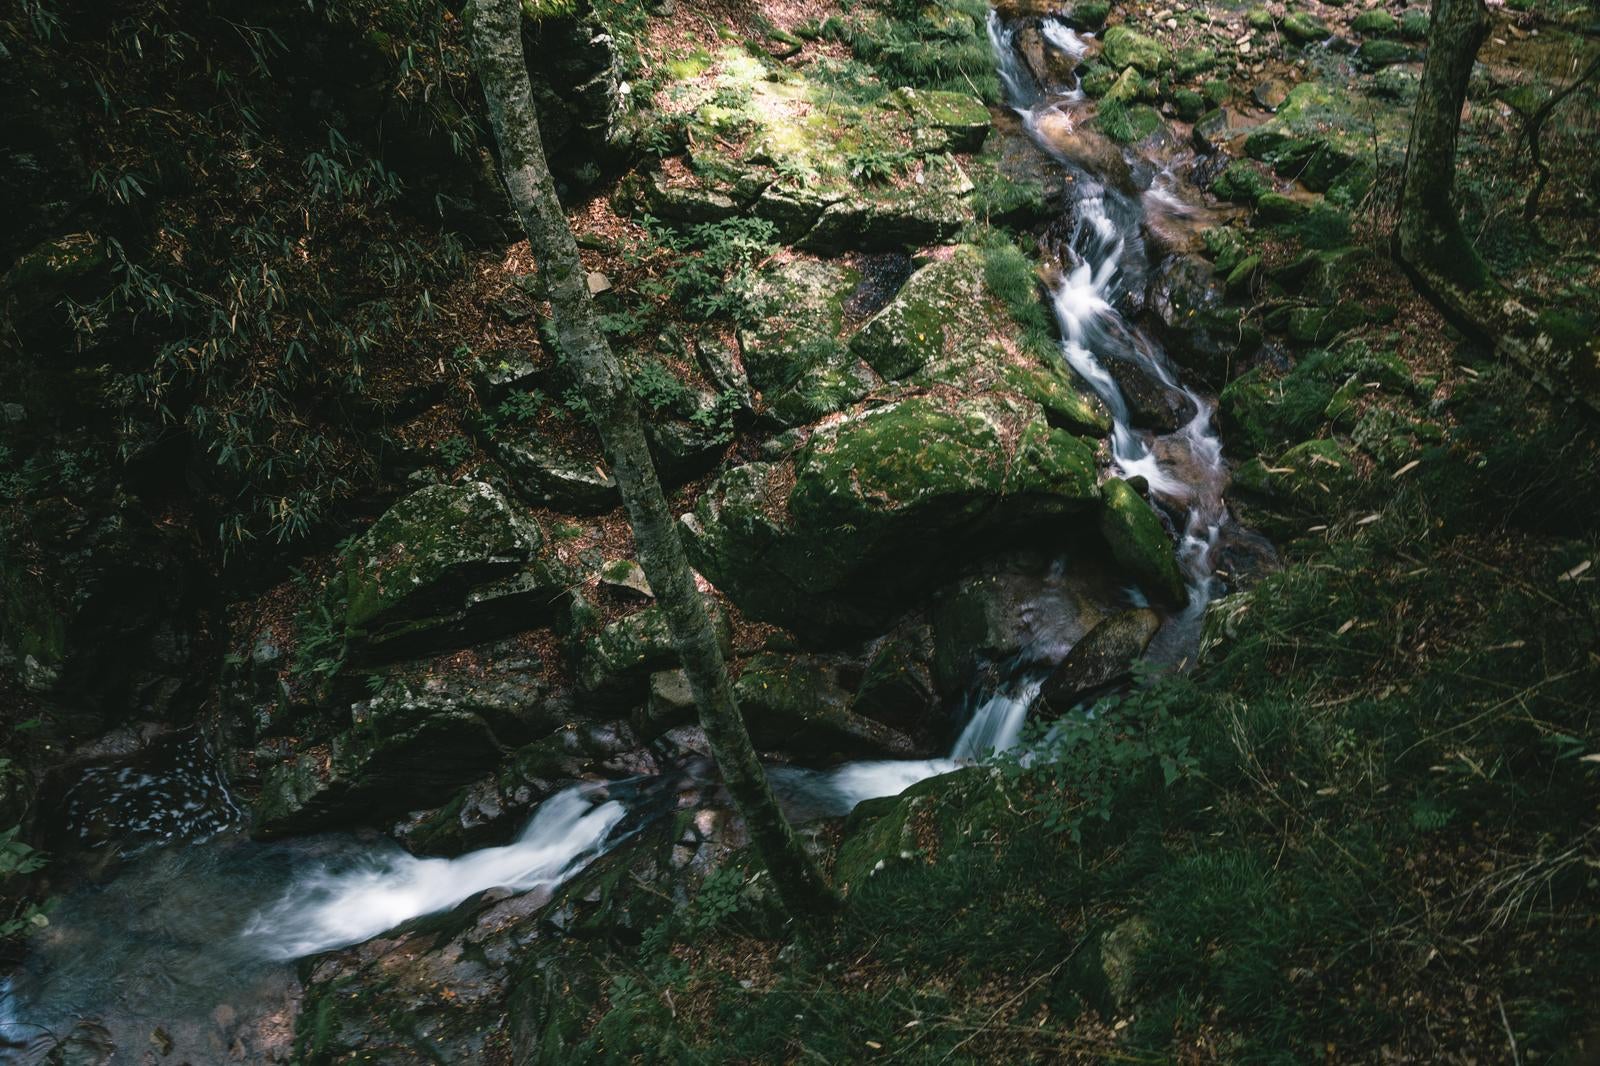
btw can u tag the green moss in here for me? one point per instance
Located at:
(1303, 28)
(428, 548)
(1375, 23)
(1139, 542)
(1242, 183)
(1123, 46)
(1127, 125)
(1379, 52)
(1189, 104)
(1192, 61)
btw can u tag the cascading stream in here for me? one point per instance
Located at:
(355, 891)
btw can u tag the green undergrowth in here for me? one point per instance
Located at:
(1371, 803)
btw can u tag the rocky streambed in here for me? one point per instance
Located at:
(947, 500)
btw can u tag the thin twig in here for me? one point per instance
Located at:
(1516, 1056)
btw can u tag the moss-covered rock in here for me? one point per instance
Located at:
(1325, 135)
(444, 566)
(1194, 60)
(842, 536)
(1140, 544)
(614, 665)
(941, 813)
(1123, 46)
(935, 304)
(1241, 183)
(794, 355)
(1375, 23)
(405, 751)
(547, 474)
(1104, 656)
(1380, 52)
(961, 122)
(1303, 28)
(799, 705)
(930, 209)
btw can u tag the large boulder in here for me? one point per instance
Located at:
(946, 326)
(931, 208)
(405, 750)
(445, 566)
(1126, 47)
(837, 539)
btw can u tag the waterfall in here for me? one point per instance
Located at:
(330, 909)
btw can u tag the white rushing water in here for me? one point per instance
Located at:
(332, 909)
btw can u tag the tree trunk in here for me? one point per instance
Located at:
(502, 69)
(1429, 241)
(1430, 236)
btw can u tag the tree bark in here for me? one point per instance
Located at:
(502, 69)
(1430, 234)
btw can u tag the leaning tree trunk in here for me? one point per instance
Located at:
(502, 68)
(1430, 236)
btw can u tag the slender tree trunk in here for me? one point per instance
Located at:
(502, 69)
(1429, 236)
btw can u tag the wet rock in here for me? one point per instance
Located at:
(1186, 302)
(1104, 657)
(1068, 134)
(447, 565)
(799, 705)
(547, 475)
(913, 481)
(1140, 544)
(979, 624)
(1049, 66)
(897, 686)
